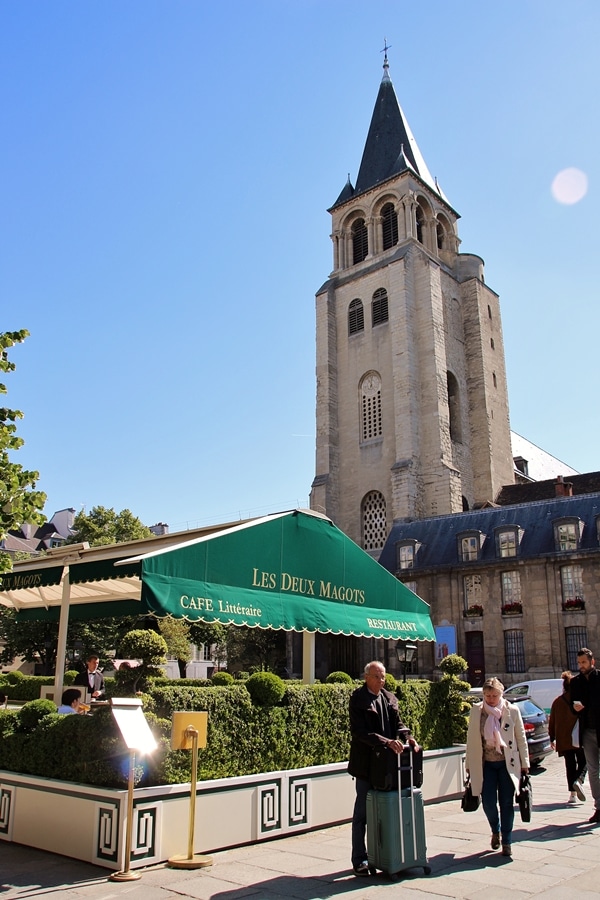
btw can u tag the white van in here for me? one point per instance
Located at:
(542, 691)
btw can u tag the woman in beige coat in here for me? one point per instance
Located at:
(497, 754)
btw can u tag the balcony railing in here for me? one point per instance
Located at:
(576, 604)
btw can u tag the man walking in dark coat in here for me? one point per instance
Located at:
(374, 722)
(585, 697)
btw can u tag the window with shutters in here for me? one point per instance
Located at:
(360, 241)
(389, 226)
(514, 651)
(379, 307)
(356, 317)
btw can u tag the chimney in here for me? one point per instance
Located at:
(563, 488)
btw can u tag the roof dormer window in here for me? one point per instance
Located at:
(508, 539)
(469, 545)
(567, 533)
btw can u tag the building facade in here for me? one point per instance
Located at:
(515, 587)
(412, 403)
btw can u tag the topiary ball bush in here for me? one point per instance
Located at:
(338, 678)
(222, 678)
(390, 683)
(265, 688)
(14, 677)
(69, 677)
(31, 714)
(453, 664)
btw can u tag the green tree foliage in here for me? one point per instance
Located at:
(176, 633)
(20, 502)
(35, 642)
(453, 664)
(255, 647)
(212, 634)
(105, 526)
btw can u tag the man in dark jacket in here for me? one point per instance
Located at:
(374, 722)
(585, 697)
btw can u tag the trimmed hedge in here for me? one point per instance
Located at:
(309, 726)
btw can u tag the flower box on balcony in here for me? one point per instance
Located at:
(512, 609)
(577, 603)
(472, 611)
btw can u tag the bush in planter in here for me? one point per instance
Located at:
(30, 715)
(339, 678)
(265, 688)
(222, 679)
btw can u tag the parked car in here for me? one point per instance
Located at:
(535, 721)
(542, 691)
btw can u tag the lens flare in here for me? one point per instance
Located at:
(569, 186)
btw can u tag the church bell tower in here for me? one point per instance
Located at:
(412, 402)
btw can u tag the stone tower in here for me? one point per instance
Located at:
(412, 404)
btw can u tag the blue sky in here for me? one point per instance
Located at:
(166, 171)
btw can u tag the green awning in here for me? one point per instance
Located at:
(294, 571)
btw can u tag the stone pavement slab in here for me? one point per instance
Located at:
(556, 857)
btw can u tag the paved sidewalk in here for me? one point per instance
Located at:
(556, 857)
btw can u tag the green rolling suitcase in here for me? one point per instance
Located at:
(396, 830)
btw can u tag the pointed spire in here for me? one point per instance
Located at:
(390, 147)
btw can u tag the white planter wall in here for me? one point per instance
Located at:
(88, 823)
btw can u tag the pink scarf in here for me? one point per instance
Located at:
(491, 729)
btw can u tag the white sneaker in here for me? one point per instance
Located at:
(572, 798)
(577, 790)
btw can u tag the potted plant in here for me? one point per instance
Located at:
(474, 610)
(574, 604)
(512, 609)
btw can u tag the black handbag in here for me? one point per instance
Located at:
(525, 798)
(384, 767)
(469, 801)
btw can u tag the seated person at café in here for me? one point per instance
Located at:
(69, 702)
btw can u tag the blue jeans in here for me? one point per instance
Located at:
(498, 788)
(359, 822)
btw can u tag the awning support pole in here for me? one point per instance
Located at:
(308, 657)
(63, 624)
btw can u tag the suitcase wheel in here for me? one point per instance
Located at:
(372, 870)
(427, 870)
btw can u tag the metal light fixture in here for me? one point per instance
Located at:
(405, 653)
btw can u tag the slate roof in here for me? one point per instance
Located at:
(390, 147)
(438, 535)
(511, 494)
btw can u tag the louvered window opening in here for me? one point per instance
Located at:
(356, 317)
(372, 421)
(380, 307)
(360, 241)
(514, 651)
(389, 226)
(374, 521)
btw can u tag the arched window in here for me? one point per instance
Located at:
(454, 408)
(360, 241)
(389, 226)
(440, 235)
(356, 317)
(370, 407)
(374, 524)
(420, 224)
(379, 307)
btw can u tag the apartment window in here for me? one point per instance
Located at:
(571, 583)
(507, 541)
(206, 654)
(356, 317)
(511, 588)
(472, 592)
(370, 404)
(389, 226)
(405, 554)
(567, 533)
(360, 241)
(374, 521)
(469, 546)
(575, 639)
(379, 307)
(514, 651)
(411, 585)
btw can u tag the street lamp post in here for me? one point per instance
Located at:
(405, 653)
